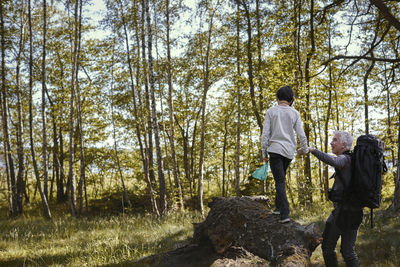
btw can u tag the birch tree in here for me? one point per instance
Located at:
(161, 179)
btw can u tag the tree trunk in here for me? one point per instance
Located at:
(63, 194)
(186, 165)
(192, 155)
(71, 176)
(307, 198)
(59, 149)
(242, 220)
(206, 73)
(224, 155)
(366, 101)
(82, 180)
(161, 179)
(178, 187)
(259, 58)
(149, 142)
(396, 195)
(56, 160)
(4, 108)
(317, 133)
(35, 167)
(20, 126)
(389, 122)
(326, 125)
(125, 198)
(298, 73)
(44, 126)
(143, 151)
(242, 232)
(238, 92)
(250, 65)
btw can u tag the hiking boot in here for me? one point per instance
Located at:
(276, 212)
(284, 219)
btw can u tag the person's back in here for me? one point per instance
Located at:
(284, 122)
(278, 144)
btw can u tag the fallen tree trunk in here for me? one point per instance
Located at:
(243, 230)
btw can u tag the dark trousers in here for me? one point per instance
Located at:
(279, 165)
(348, 240)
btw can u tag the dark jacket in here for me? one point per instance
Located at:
(346, 214)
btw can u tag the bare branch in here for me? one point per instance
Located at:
(390, 60)
(386, 13)
(326, 8)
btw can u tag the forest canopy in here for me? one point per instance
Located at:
(162, 102)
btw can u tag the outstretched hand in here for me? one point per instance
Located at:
(301, 152)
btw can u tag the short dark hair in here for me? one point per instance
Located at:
(285, 93)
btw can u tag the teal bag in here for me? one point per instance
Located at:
(261, 173)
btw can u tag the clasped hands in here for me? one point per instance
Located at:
(301, 152)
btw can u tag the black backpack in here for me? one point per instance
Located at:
(367, 167)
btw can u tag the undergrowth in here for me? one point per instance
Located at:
(120, 239)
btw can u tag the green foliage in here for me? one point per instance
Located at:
(280, 45)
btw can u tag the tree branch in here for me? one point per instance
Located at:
(326, 8)
(386, 13)
(390, 60)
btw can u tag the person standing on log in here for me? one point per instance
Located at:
(346, 217)
(278, 144)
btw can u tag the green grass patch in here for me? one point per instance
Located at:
(92, 241)
(376, 247)
(119, 240)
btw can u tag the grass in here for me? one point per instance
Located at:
(97, 241)
(118, 240)
(376, 247)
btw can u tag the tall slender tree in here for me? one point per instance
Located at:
(250, 63)
(206, 87)
(125, 198)
(45, 204)
(74, 67)
(20, 126)
(307, 197)
(135, 95)
(161, 179)
(327, 119)
(396, 194)
(44, 126)
(178, 187)
(82, 179)
(147, 110)
(238, 92)
(10, 173)
(59, 144)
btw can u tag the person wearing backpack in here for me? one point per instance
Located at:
(346, 216)
(278, 144)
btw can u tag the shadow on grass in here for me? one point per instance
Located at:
(379, 246)
(167, 243)
(191, 255)
(45, 260)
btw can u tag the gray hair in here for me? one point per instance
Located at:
(345, 137)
